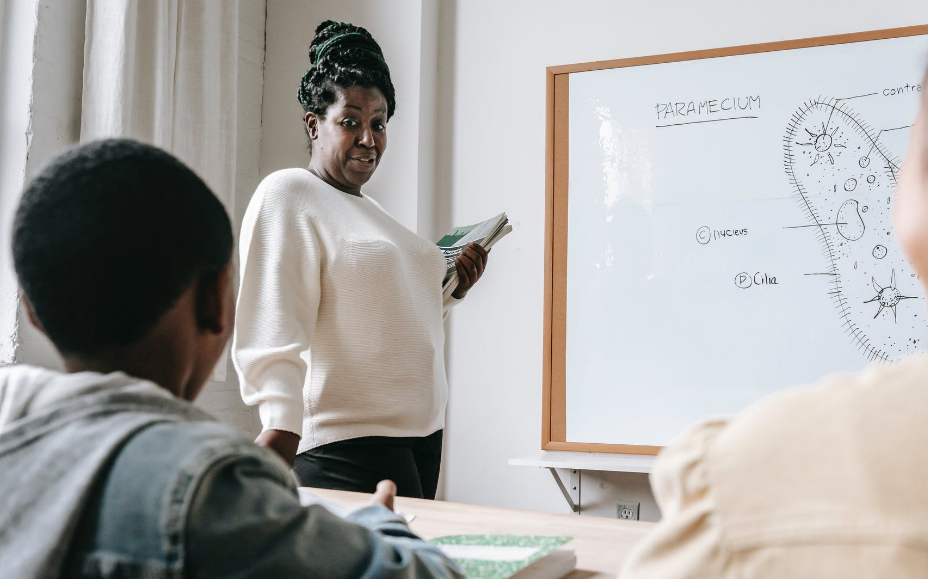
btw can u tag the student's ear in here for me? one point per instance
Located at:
(215, 303)
(30, 312)
(311, 121)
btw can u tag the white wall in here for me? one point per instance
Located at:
(58, 64)
(222, 399)
(17, 28)
(53, 119)
(498, 52)
(397, 26)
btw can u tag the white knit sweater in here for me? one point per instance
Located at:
(339, 318)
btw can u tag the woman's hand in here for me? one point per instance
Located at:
(470, 264)
(282, 442)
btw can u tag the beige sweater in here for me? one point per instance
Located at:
(339, 318)
(824, 482)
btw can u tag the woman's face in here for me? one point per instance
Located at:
(349, 142)
(911, 207)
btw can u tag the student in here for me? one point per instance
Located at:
(339, 338)
(829, 481)
(107, 470)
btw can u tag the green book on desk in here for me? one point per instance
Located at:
(509, 556)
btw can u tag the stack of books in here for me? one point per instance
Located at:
(454, 243)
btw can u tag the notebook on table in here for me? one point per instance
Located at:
(509, 556)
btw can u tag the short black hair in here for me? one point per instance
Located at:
(341, 56)
(108, 236)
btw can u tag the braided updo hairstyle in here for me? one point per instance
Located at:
(343, 55)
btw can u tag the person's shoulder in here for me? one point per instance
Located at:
(288, 192)
(20, 373)
(194, 444)
(173, 458)
(283, 185)
(800, 421)
(835, 401)
(374, 202)
(829, 428)
(290, 177)
(151, 484)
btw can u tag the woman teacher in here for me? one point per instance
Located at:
(339, 338)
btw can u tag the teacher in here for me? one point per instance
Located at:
(339, 338)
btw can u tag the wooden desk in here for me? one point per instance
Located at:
(600, 543)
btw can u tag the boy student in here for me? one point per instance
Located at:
(107, 470)
(823, 482)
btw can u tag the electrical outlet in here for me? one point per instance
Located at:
(626, 510)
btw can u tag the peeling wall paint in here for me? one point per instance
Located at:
(17, 44)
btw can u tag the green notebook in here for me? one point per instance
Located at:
(502, 556)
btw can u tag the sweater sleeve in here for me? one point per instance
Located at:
(449, 302)
(688, 542)
(244, 523)
(278, 304)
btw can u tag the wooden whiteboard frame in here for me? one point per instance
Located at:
(554, 386)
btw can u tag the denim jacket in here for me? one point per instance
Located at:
(106, 476)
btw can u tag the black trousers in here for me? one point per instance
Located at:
(360, 463)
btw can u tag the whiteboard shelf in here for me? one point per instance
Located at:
(588, 461)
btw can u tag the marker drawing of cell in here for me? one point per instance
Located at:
(888, 297)
(849, 222)
(830, 150)
(822, 141)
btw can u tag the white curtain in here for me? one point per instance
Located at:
(165, 72)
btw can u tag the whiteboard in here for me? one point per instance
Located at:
(728, 232)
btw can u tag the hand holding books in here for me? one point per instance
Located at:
(469, 266)
(466, 247)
